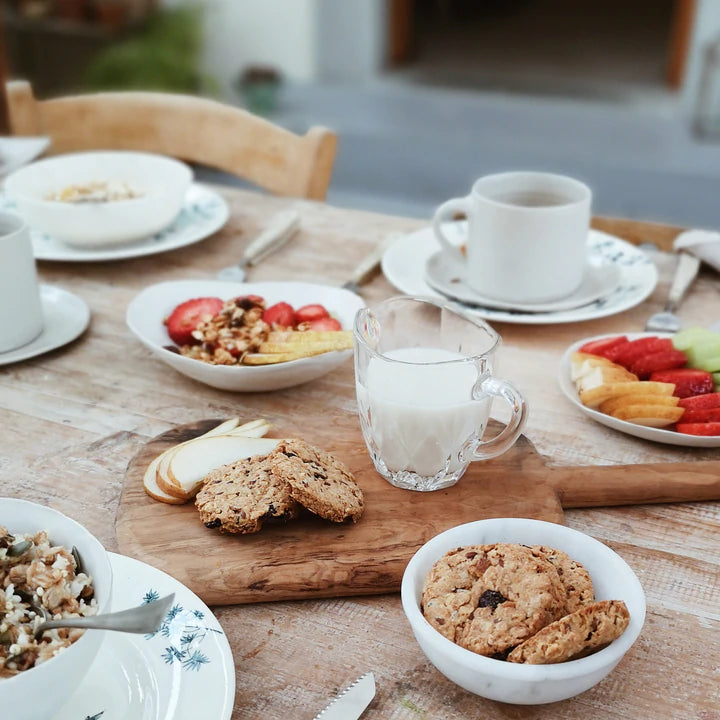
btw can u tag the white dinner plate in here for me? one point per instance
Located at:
(65, 317)
(668, 437)
(203, 213)
(600, 278)
(185, 671)
(18, 151)
(404, 264)
(147, 310)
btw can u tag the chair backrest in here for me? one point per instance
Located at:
(190, 128)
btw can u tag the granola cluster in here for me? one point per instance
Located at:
(35, 573)
(226, 338)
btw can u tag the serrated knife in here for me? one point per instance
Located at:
(350, 704)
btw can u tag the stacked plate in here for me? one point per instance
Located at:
(618, 276)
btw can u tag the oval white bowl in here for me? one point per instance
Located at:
(612, 578)
(147, 310)
(162, 181)
(38, 692)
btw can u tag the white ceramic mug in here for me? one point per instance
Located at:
(527, 236)
(21, 316)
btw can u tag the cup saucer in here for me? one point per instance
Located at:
(600, 278)
(65, 317)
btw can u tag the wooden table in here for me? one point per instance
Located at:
(72, 419)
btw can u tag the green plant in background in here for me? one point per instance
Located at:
(163, 56)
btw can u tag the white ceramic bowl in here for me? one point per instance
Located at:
(161, 181)
(147, 310)
(40, 691)
(518, 683)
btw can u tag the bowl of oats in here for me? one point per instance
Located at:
(522, 611)
(246, 337)
(96, 199)
(50, 564)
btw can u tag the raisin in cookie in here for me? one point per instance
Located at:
(574, 635)
(574, 576)
(489, 598)
(317, 480)
(238, 498)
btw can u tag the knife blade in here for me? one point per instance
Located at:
(351, 702)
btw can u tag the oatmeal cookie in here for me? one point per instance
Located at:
(574, 576)
(489, 598)
(238, 498)
(574, 635)
(317, 480)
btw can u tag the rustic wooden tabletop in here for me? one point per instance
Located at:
(72, 420)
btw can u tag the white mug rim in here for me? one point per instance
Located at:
(585, 194)
(19, 224)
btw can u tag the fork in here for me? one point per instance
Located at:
(685, 272)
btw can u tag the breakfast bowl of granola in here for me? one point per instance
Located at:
(98, 199)
(49, 564)
(522, 611)
(246, 337)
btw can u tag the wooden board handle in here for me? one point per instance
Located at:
(589, 486)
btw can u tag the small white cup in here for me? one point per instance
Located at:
(527, 236)
(21, 316)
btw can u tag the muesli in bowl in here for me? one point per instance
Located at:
(38, 578)
(44, 684)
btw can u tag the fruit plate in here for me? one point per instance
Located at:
(146, 313)
(661, 435)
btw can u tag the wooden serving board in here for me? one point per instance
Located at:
(313, 558)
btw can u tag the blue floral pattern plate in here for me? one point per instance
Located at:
(184, 671)
(405, 263)
(203, 213)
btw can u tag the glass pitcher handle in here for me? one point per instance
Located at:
(505, 439)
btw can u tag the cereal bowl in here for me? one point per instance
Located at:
(146, 313)
(510, 682)
(96, 199)
(40, 690)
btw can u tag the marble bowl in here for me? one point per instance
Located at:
(515, 683)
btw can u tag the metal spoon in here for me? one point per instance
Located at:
(281, 228)
(146, 618)
(685, 272)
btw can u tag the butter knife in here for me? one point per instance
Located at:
(369, 265)
(350, 704)
(281, 228)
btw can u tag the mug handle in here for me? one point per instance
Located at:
(445, 212)
(503, 441)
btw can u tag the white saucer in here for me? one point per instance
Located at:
(185, 671)
(444, 274)
(203, 213)
(661, 435)
(66, 316)
(404, 264)
(18, 151)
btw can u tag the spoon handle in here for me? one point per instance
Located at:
(687, 268)
(143, 619)
(278, 232)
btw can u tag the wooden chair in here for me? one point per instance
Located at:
(190, 128)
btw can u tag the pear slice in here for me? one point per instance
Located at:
(192, 461)
(595, 396)
(154, 490)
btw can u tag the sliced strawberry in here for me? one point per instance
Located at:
(703, 428)
(187, 316)
(701, 402)
(662, 360)
(699, 416)
(687, 381)
(280, 315)
(327, 323)
(309, 313)
(635, 349)
(602, 347)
